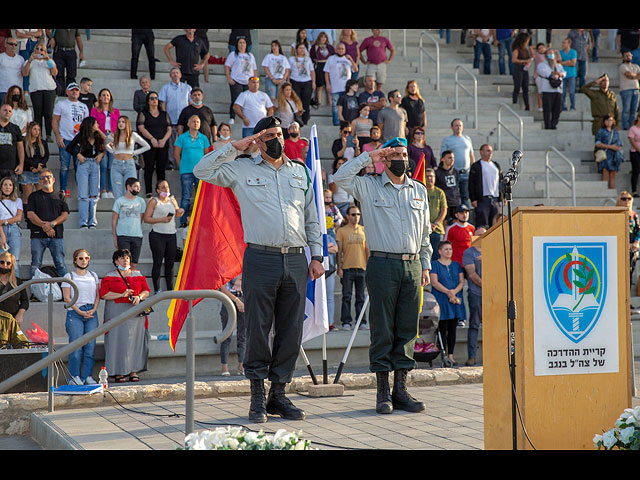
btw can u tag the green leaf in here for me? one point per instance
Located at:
(578, 284)
(591, 290)
(579, 273)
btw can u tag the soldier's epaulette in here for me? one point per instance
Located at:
(243, 155)
(421, 183)
(306, 170)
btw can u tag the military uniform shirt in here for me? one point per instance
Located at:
(277, 206)
(395, 220)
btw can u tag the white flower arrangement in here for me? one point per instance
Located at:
(237, 438)
(625, 435)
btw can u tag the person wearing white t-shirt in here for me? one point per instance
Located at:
(337, 70)
(11, 65)
(276, 69)
(303, 78)
(239, 66)
(252, 105)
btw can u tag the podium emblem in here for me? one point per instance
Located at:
(575, 285)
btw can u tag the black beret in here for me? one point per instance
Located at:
(265, 123)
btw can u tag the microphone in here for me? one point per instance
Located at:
(516, 156)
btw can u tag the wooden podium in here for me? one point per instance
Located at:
(572, 329)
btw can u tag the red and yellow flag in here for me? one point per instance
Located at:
(418, 173)
(213, 251)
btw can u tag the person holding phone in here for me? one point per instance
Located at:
(160, 213)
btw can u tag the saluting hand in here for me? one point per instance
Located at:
(246, 142)
(381, 154)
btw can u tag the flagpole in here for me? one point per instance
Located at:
(353, 337)
(325, 372)
(306, 361)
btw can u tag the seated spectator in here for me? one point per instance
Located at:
(140, 96)
(126, 220)
(375, 142)
(341, 198)
(11, 212)
(233, 290)
(413, 103)
(10, 334)
(123, 149)
(361, 125)
(36, 156)
(16, 305)
(42, 87)
(348, 104)
(126, 347)
(347, 146)
(82, 317)
(224, 135)
(418, 147)
(289, 108)
(161, 213)
(296, 147)
(22, 113)
(86, 95)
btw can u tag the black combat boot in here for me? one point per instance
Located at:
(257, 410)
(383, 396)
(400, 397)
(279, 404)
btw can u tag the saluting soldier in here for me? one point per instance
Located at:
(395, 214)
(279, 219)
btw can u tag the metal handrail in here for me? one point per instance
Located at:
(520, 137)
(130, 313)
(549, 169)
(426, 52)
(473, 95)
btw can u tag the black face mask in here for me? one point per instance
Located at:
(399, 167)
(134, 192)
(15, 98)
(79, 267)
(4, 271)
(274, 147)
(294, 135)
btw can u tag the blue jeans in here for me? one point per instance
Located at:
(435, 239)
(448, 33)
(121, 170)
(330, 285)
(246, 131)
(271, 88)
(88, 180)
(65, 165)
(14, 240)
(504, 48)
(188, 181)
(596, 38)
(483, 49)
(629, 107)
(352, 278)
(334, 107)
(635, 56)
(475, 319)
(569, 87)
(463, 184)
(56, 248)
(105, 172)
(581, 71)
(76, 327)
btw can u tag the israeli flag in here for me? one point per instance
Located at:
(316, 319)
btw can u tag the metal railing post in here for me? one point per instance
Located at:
(549, 169)
(191, 376)
(435, 59)
(520, 137)
(473, 95)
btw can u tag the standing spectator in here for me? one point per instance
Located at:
(303, 78)
(28, 38)
(139, 37)
(472, 264)
(484, 39)
(418, 147)
(603, 102)
(521, 59)
(46, 213)
(10, 217)
(392, 119)
(295, 147)
(192, 55)
(361, 125)
(17, 304)
(629, 89)
(568, 60)
(36, 156)
(126, 220)
(154, 125)
(208, 125)
(86, 95)
(581, 43)
(123, 149)
(447, 178)
(348, 104)
(42, 84)
(64, 41)
(233, 290)
(276, 70)
(341, 198)
(347, 145)
(485, 177)
(462, 148)
(634, 154)
(315, 33)
(301, 38)
(413, 104)
(239, 34)
(108, 117)
(375, 47)
(350, 39)
(353, 254)
(608, 138)
(289, 107)
(437, 209)
(337, 71)
(11, 66)
(126, 347)
(595, 37)
(446, 32)
(334, 220)
(82, 317)
(550, 71)
(11, 146)
(239, 67)
(447, 281)
(375, 98)
(174, 97)
(161, 213)
(459, 233)
(375, 135)
(189, 149)
(504, 41)
(88, 147)
(319, 53)
(539, 56)
(628, 40)
(224, 136)
(22, 114)
(252, 105)
(201, 33)
(140, 96)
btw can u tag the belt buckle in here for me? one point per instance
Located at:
(284, 249)
(405, 256)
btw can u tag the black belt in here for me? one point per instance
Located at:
(396, 256)
(283, 250)
(66, 48)
(490, 196)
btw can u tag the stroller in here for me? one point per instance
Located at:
(427, 327)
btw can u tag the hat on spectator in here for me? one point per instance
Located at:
(293, 124)
(73, 85)
(396, 142)
(462, 208)
(265, 123)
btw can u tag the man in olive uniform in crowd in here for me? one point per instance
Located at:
(395, 213)
(603, 102)
(279, 219)
(10, 333)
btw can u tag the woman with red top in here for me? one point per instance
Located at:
(107, 117)
(126, 346)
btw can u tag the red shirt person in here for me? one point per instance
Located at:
(459, 233)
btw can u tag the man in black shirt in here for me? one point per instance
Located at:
(11, 145)
(628, 40)
(447, 180)
(46, 213)
(64, 41)
(189, 52)
(208, 126)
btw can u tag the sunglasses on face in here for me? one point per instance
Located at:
(44, 177)
(626, 199)
(83, 258)
(7, 263)
(12, 44)
(354, 214)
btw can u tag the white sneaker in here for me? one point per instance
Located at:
(346, 326)
(110, 195)
(89, 381)
(104, 195)
(231, 121)
(76, 381)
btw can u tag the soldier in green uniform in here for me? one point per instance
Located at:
(10, 333)
(603, 102)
